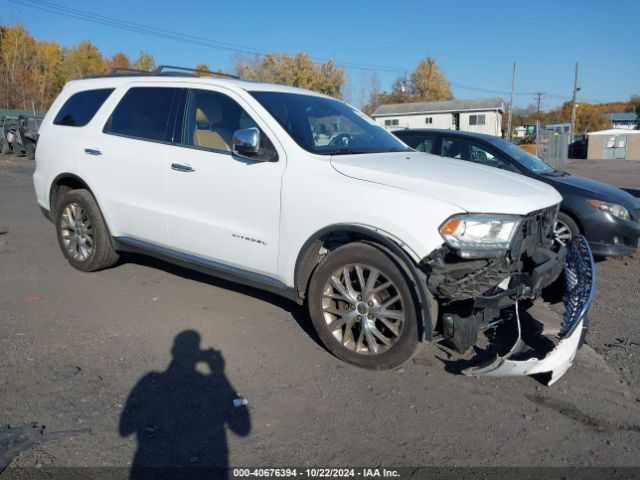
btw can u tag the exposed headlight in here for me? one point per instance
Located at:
(614, 209)
(480, 236)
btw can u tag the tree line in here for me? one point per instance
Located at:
(33, 72)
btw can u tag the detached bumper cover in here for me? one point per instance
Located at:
(580, 280)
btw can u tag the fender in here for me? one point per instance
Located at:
(304, 266)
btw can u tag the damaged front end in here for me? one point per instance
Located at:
(521, 313)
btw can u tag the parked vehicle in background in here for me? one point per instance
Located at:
(7, 133)
(302, 195)
(607, 216)
(27, 135)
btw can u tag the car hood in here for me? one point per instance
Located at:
(600, 191)
(470, 187)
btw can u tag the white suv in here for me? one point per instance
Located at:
(303, 195)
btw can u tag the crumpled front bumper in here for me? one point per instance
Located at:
(522, 359)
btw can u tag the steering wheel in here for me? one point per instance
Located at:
(341, 140)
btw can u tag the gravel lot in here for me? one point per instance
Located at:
(77, 348)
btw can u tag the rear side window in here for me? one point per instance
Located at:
(144, 113)
(80, 108)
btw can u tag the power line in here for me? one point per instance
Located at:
(83, 15)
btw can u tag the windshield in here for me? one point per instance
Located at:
(326, 126)
(528, 161)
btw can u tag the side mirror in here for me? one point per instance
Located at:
(246, 142)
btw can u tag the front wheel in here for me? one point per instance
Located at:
(362, 306)
(565, 229)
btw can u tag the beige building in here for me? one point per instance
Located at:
(482, 115)
(614, 144)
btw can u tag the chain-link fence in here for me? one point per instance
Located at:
(552, 146)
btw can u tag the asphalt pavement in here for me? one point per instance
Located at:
(169, 366)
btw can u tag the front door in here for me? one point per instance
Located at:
(222, 207)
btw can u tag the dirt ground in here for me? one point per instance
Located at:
(150, 357)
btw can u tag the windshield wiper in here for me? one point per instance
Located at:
(346, 151)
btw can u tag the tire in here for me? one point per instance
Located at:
(565, 228)
(359, 325)
(82, 233)
(31, 151)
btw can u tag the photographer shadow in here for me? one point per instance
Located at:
(180, 416)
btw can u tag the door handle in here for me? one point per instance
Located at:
(92, 151)
(182, 167)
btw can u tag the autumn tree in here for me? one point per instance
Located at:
(82, 60)
(119, 60)
(202, 69)
(298, 71)
(145, 62)
(428, 83)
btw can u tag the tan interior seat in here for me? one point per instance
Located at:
(208, 115)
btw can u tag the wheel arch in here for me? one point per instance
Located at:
(333, 236)
(63, 183)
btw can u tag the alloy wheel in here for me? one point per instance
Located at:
(363, 309)
(76, 232)
(562, 233)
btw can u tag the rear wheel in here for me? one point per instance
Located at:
(565, 229)
(82, 232)
(362, 307)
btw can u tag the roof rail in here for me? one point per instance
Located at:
(162, 68)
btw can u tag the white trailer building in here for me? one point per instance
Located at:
(482, 115)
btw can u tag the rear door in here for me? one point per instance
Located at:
(126, 161)
(221, 207)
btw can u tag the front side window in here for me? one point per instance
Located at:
(80, 108)
(211, 118)
(144, 113)
(325, 126)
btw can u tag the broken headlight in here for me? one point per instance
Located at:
(480, 236)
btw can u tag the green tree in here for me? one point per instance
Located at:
(297, 71)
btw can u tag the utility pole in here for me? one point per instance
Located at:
(574, 106)
(538, 96)
(513, 82)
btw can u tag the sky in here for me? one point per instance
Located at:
(475, 43)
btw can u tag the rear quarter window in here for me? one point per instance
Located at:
(80, 108)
